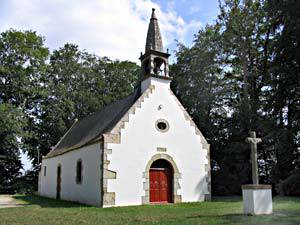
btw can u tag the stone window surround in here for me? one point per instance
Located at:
(76, 177)
(162, 121)
(176, 176)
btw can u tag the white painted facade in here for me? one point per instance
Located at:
(140, 140)
(89, 191)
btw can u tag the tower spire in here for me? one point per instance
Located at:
(155, 60)
(154, 40)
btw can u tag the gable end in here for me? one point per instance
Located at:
(114, 136)
(204, 143)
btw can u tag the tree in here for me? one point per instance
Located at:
(11, 129)
(22, 59)
(242, 74)
(285, 92)
(76, 85)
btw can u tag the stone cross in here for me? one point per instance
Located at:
(253, 143)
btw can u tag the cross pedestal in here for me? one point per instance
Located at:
(257, 198)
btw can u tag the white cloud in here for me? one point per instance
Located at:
(116, 29)
(195, 9)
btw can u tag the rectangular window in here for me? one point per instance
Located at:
(45, 170)
(79, 172)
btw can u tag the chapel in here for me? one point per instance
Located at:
(143, 149)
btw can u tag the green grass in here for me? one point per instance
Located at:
(38, 210)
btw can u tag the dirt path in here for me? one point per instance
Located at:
(7, 201)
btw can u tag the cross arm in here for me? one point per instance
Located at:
(253, 140)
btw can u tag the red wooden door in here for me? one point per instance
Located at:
(160, 185)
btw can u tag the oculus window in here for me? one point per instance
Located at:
(162, 125)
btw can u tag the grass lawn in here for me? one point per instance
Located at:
(44, 211)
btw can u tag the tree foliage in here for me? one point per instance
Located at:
(47, 92)
(11, 126)
(77, 84)
(242, 74)
(22, 60)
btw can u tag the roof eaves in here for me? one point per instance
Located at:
(54, 153)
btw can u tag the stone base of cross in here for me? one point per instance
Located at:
(257, 198)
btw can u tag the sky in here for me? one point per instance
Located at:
(113, 28)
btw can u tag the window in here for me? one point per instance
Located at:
(45, 170)
(79, 172)
(162, 125)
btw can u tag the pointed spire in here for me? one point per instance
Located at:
(154, 40)
(153, 16)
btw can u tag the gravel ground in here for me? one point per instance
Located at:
(7, 201)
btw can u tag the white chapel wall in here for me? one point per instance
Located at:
(89, 191)
(140, 140)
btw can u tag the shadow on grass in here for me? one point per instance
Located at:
(227, 199)
(234, 215)
(235, 218)
(47, 202)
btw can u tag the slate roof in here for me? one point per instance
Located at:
(92, 127)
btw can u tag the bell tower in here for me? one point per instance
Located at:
(154, 63)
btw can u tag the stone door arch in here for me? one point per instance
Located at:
(176, 176)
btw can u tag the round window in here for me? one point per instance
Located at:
(162, 125)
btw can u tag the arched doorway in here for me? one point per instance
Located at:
(161, 181)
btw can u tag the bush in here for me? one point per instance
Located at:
(290, 186)
(9, 190)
